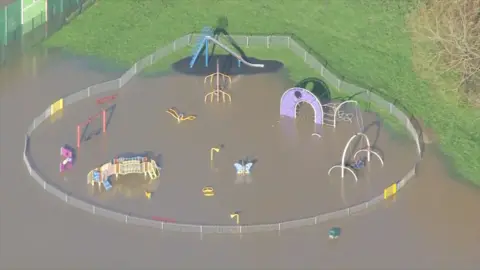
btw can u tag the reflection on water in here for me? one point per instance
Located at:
(128, 186)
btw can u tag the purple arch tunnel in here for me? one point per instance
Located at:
(293, 96)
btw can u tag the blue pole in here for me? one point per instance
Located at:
(206, 52)
(239, 63)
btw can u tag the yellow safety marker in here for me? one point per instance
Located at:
(148, 194)
(390, 191)
(208, 192)
(213, 149)
(237, 216)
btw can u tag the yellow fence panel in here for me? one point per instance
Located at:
(390, 191)
(56, 107)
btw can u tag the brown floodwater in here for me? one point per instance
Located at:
(432, 223)
(289, 179)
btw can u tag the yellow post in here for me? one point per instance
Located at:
(213, 149)
(117, 168)
(237, 216)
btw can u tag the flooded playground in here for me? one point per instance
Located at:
(431, 223)
(288, 181)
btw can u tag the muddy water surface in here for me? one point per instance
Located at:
(289, 179)
(432, 223)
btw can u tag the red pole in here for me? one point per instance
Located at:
(78, 136)
(104, 120)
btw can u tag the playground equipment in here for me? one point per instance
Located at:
(332, 114)
(106, 99)
(222, 82)
(357, 164)
(328, 114)
(243, 167)
(123, 166)
(208, 192)
(212, 150)
(334, 232)
(202, 42)
(102, 114)
(293, 97)
(180, 116)
(67, 154)
(236, 216)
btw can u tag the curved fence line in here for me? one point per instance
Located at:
(269, 42)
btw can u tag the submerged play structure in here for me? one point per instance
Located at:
(122, 166)
(329, 115)
(206, 36)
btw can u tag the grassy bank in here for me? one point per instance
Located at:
(363, 40)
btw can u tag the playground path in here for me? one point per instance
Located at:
(432, 224)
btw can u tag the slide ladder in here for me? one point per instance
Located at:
(152, 170)
(201, 40)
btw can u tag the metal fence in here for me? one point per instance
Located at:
(269, 42)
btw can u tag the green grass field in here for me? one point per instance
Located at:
(364, 40)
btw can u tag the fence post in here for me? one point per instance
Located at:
(174, 45)
(126, 219)
(135, 68)
(279, 226)
(288, 42)
(248, 42)
(93, 209)
(268, 42)
(44, 183)
(66, 197)
(162, 225)
(338, 84)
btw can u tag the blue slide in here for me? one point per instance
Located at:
(206, 32)
(106, 184)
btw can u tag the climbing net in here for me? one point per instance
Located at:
(219, 83)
